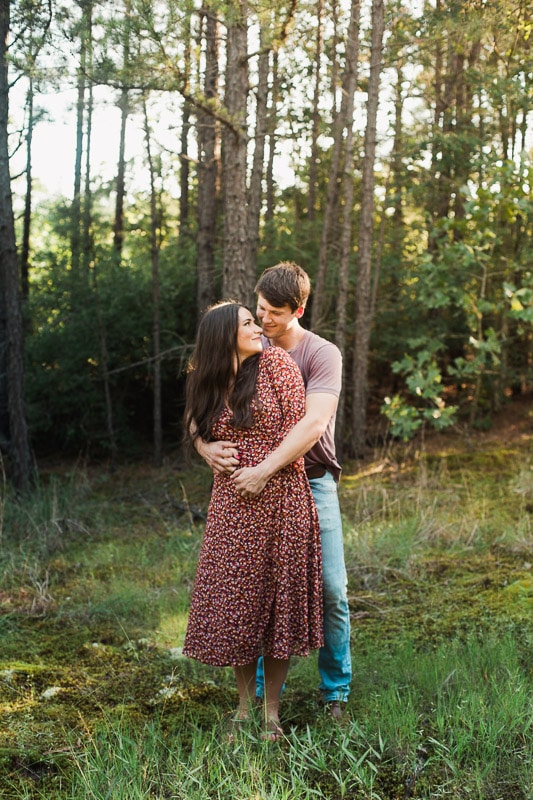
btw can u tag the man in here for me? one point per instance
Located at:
(282, 294)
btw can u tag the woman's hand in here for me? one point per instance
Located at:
(222, 457)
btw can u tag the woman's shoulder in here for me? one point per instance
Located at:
(280, 366)
(276, 355)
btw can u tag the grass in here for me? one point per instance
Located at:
(97, 702)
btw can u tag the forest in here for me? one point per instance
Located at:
(156, 156)
(384, 146)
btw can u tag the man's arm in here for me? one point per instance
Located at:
(319, 408)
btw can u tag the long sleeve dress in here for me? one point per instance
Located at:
(258, 586)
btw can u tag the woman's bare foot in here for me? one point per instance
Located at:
(272, 730)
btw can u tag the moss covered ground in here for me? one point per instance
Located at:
(96, 576)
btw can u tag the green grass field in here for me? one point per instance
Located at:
(96, 700)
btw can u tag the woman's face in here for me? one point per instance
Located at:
(248, 335)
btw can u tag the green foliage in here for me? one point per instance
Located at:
(472, 291)
(424, 405)
(452, 228)
(65, 368)
(521, 300)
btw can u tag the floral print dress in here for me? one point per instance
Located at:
(258, 587)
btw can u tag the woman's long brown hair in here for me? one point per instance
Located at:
(211, 381)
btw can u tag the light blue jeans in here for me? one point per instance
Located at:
(334, 658)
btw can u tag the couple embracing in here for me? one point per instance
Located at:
(271, 579)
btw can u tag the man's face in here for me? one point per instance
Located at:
(275, 320)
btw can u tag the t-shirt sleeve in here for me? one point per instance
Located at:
(324, 373)
(287, 382)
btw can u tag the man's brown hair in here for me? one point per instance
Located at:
(285, 283)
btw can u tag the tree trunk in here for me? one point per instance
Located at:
(11, 326)
(396, 175)
(438, 121)
(347, 193)
(334, 11)
(464, 125)
(343, 284)
(319, 306)
(447, 77)
(124, 106)
(315, 123)
(272, 126)
(255, 192)
(36, 42)
(184, 170)
(156, 300)
(76, 213)
(363, 318)
(5, 200)
(87, 243)
(184, 148)
(208, 170)
(26, 223)
(118, 224)
(237, 282)
(104, 366)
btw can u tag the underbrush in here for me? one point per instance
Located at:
(97, 701)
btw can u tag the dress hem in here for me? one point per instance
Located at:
(240, 663)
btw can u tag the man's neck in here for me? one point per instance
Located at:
(291, 338)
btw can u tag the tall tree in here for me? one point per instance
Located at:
(82, 78)
(341, 118)
(81, 221)
(272, 125)
(36, 20)
(457, 46)
(208, 136)
(104, 367)
(363, 318)
(124, 106)
(237, 281)
(347, 193)
(26, 225)
(12, 379)
(155, 226)
(315, 119)
(186, 125)
(155, 246)
(118, 223)
(255, 190)
(87, 205)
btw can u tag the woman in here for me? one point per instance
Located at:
(258, 588)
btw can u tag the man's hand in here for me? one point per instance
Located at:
(220, 456)
(250, 481)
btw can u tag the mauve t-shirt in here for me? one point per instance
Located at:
(320, 363)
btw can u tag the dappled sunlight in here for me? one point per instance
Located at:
(171, 629)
